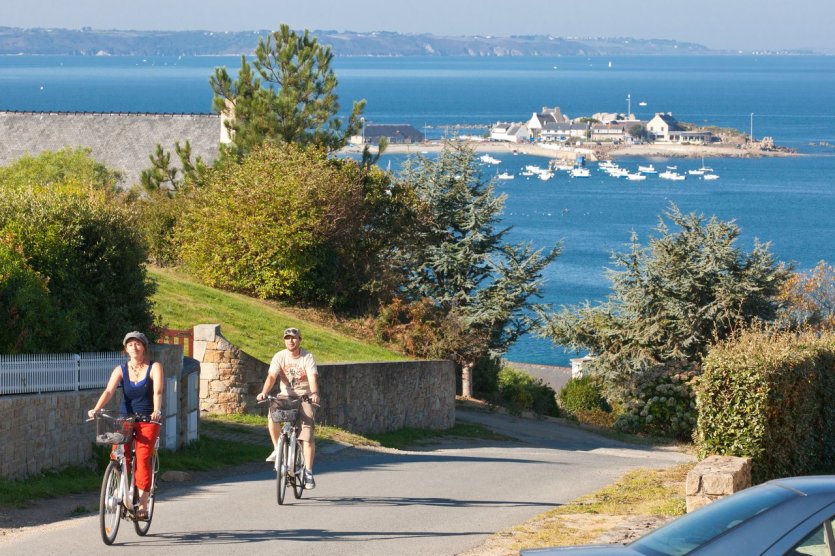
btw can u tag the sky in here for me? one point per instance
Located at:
(719, 24)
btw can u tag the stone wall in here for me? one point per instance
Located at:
(715, 477)
(361, 397)
(49, 431)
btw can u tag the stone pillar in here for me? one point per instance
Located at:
(715, 477)
(229, 377)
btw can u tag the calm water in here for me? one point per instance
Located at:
(789, 202)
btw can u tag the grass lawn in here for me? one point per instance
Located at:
(253, 325)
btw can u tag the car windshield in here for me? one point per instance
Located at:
(693, 530)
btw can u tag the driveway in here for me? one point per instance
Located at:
(444, 499)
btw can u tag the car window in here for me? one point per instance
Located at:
(819, 542)
(696, 529)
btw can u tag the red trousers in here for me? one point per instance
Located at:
(145, 437)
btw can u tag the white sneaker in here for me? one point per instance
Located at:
(271, 457)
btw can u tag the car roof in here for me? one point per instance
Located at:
(809, 486)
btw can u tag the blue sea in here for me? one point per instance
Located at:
(789, 202)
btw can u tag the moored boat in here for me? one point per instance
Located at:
(650, 169)
(670, 175)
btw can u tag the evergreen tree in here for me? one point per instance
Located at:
(286, 95)
(480, 285)
(163, 176)
(672, 300)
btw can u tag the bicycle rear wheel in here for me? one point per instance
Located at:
(142, 527)
(110, 507)
(298, 475)
(281, 469)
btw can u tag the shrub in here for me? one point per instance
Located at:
(768, 395)
(88, 250)
(583, 394)
(521, 392)
(660, 403)
(31, 321)
(292, 224)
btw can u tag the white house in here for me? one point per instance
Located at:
(552, 132)
(510, 131)
(661, 126)
(546, 116)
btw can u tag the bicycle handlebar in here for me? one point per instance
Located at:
(271, 398)
(134, 416)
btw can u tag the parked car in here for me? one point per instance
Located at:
(793, 516)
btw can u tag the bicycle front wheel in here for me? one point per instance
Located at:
(110, 507)
(281, 469)
(142, 527)
(298, 467)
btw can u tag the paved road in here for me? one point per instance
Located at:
(443, 500)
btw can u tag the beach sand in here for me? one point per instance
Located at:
(597, 152)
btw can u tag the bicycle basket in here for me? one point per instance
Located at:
(113, 429)
(284, 409)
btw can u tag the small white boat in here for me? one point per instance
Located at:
(647, 169)
(636, 177)
(672, 167)
(487, 159)
(504, 176)
(527, 173)
(710, 177)
(696, 172)
(545, 175)
(533, 168)
(580, 173)
(669, 175)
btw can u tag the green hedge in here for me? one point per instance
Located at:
(769, 396)
(520, 391)
(584, 393)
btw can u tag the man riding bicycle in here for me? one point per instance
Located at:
(295, 368)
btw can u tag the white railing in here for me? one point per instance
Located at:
(56, 372)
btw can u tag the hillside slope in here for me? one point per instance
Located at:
(251, 324)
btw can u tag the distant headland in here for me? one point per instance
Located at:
(108, 42)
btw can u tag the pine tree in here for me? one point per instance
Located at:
(286, 95)
(481, 285)
(672, 300)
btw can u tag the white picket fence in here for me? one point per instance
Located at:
(56, 372)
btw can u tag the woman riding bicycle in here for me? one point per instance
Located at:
(141, 382)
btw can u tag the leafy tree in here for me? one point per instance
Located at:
(56, 168)
(480, 285)
(810, 298)
(638, 131)
(31, 322)
(291, 223)
(82, 247)
(287, 95)
(672, 300)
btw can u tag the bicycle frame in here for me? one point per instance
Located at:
(119, 497)
(289, 461)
